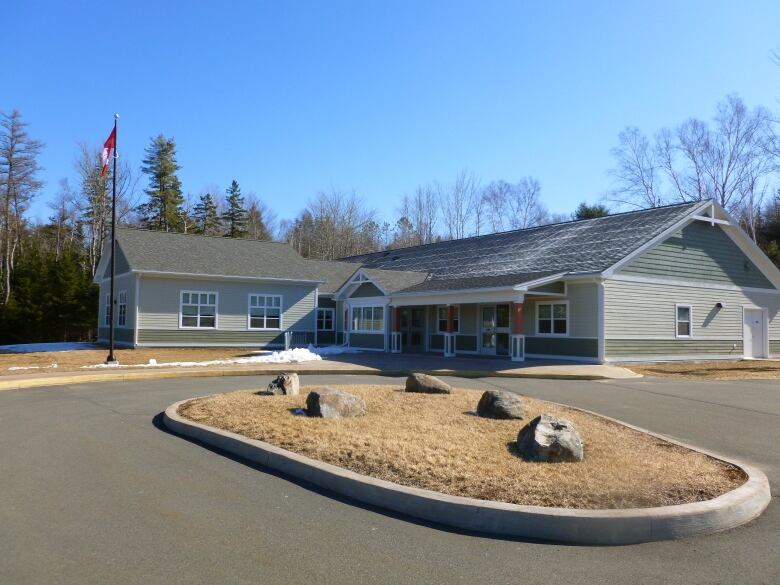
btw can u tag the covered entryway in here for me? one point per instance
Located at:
(754, 331)
(494, 326)
(412, 329)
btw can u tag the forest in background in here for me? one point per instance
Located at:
(46, 268)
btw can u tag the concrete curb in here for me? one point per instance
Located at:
(133, 375)
(564, 525)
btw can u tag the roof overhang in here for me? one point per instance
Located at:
(182, 275)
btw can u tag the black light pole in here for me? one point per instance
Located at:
(111, 359)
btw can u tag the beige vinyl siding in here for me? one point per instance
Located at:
(159, 303)
(640, 319)
(699, 252)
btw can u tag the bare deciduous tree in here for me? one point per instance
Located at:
(461, 206)
(515, 206)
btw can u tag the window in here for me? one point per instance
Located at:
(198, 310)
(683, 326)
(368, 319)
(265, 312)
(122, 312)
(107, 316)
(552, 319)
(442, 319)
(325, 319)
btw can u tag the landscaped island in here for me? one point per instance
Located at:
(435, 442)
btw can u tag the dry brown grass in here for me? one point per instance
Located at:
(74, 360)
(434, 442)
(713, 370)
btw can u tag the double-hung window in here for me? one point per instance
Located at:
(442, 319)
(683, 321)
(107, 316)
(368, 319)
(325, 317)
(265, 311)
(122, 309)
(198, 309)
(552, 319)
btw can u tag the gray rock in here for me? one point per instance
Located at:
(551, 439)
(426, 384)
(500, 404)
(330, 403)
(287, 384)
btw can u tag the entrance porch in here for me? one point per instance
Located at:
(492, 329)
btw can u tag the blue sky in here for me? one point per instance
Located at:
(378, 97)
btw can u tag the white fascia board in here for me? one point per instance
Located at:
(458, 297)
(688, 218)
(184, 275)
(539, 281)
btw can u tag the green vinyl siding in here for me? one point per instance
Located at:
(562, 346)
(648, 348)
(466, 343)
(326, 302)
(557, 287)
(121, 334)
(436, 342)
(212, 336)
(699, 252)
(367, 340)
(366, 290)
(326, 337)
(774, 347)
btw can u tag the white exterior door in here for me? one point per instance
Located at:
(754, 333)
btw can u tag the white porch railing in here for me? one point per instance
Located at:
(395, 342)
(449, 345)
(517, 348)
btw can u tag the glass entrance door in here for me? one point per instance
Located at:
(413, 329)
(494, 325)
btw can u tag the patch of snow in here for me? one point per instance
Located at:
(36, 347)
(332, 350)
(14, 368)
(288, 356)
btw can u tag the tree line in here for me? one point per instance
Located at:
(46, 268)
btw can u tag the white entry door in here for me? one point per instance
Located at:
(754, 333)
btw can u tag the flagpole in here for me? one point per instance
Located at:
(111, 359)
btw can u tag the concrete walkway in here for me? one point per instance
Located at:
(357, 363)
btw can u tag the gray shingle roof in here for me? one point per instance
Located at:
(475, 282)
(585, 246)
(395, 280)
(154, 251)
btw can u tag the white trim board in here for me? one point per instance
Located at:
(691, 284)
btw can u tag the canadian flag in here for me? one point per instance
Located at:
(108, 148)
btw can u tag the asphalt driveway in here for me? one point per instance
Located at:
(92, 490)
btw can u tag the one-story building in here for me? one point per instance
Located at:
(675, 282)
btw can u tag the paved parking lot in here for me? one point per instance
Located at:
(92, 490)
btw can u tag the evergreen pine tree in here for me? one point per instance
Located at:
(207, 220)
(585, 211)
(235, 217)
(163, 210)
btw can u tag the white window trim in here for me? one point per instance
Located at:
(122, 293)
(107, 309)
(438, 321)
(536, 319)
(677, 321)
(200, 292)
(332, 312)
(249, 312)
(372, 307)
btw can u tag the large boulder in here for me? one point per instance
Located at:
(500, 404)
(331, 403)
(426, 384)
(550, 439)
(287, 384)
